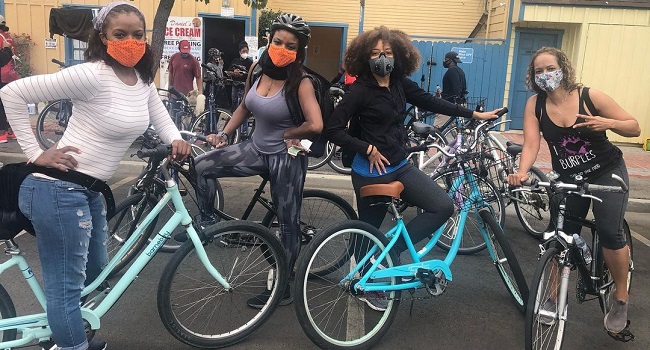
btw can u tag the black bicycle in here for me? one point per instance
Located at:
(53, 119)
(560, 254)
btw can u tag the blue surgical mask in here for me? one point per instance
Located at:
(382, 65)
(549, 81)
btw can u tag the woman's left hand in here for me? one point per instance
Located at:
(180, 149)
(595, 123)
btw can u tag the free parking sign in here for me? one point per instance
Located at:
(466, 55)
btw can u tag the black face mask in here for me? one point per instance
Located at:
(446, 64)
(185, 55)
(382, 65)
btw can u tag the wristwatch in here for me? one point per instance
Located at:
(224, 136)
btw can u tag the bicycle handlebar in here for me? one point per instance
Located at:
(159, 152)
(188, 135)
(558, 186)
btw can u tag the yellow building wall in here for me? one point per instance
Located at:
(598, 40)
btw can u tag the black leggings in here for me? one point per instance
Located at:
(608, 214)
(286, 176)
(419, 190)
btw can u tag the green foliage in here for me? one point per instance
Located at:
(258, 4)
(266, 18)
(22, 50)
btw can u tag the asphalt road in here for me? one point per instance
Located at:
(475, 312)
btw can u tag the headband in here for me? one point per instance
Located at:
(98, 21)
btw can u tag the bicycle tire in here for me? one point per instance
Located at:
(128, 215)
(535, 213)
(200, 322)
(317, 162)
(334, 291)
(336, 163)
(199, 125)
(538, 333)
(505, 261)
(319, 209)
(472, 240)
(607, 281)
(48, 128)
(7, 310)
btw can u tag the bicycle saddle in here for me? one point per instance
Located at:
(421, 128)
(513, 148)
(393, 189)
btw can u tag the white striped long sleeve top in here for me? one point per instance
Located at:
(107, 114)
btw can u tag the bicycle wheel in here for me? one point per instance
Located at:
(472, 240)
(533, 209)
(333, 314)
(607, 284)
(318, 210)
(197, 310)
(315, 163)
(336, 163)
(221, 116)
(128, 214)
(52, 122)
(7, 310)
(505, 260)
(545, 327)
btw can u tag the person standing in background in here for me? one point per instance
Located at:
(454, 85)
(183, 69)
(7, 64)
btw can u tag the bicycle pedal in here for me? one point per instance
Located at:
(183, 192)
(623, 336)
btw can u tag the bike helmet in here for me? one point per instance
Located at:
(214, 52)
(294, 24)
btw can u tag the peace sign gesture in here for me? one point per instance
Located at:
(595, 123)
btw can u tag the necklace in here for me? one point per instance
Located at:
(558, 110)
(270, 85)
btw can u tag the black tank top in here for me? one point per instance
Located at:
(578, 151)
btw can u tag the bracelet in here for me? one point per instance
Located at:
(224, 136)
(372, 148)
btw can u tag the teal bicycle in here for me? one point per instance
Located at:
(202, 307)
(354, 305)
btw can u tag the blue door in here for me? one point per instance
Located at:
(528, 42)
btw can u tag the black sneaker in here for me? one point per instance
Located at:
(259, 301)
(181, 237)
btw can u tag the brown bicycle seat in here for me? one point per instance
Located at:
(393, 189)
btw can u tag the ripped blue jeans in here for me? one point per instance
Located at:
(71, 234)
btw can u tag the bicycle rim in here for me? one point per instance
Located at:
(472, 240)
(315, 163)
(505, 260)
(197, 310)
(532, 208)
(607, 286)
(330, 313)
(202, 127)
(337, 164)
(545, 329)
(51, 123)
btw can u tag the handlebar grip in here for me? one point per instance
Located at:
(160, 152)
(61, 64)
(503, 111)
(188, 135)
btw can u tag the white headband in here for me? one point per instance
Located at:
(98, 21)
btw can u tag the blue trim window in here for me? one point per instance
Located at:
(74, 51)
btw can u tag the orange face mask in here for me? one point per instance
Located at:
(126, 52)
(280, 56)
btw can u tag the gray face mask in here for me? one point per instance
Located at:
(382, 65)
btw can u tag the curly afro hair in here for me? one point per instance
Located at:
(407, 57)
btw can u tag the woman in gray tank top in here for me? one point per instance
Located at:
(267, 153)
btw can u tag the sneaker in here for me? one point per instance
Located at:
(259, 301)
(375, 300)
(3, 138)
(182, 237)
(11, 135)
(92, 345)
(616, 318)
(548, 312)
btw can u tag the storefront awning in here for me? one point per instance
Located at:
(72, 22)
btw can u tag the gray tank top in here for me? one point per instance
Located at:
(272, 118)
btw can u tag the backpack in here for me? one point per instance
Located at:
(325, 102)
(12, 220)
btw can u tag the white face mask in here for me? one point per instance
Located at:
(549, 81)
(243, 55)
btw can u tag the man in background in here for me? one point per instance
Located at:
(184, 69)
(454, 85)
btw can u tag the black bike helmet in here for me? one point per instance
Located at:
(214, 52)
(294, 24)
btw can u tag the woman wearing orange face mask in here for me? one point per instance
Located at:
(115, 100)
(276, 131)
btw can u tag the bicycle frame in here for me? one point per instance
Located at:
(35, 327)
(409, 270)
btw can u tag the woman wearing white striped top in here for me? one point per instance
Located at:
(114, 101)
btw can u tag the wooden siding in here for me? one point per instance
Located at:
(497, 19)
(564, 14)
(340, 11)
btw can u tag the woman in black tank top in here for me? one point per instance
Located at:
(574, 121)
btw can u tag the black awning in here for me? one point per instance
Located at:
(72, 22)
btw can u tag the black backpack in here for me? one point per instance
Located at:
(325, 102)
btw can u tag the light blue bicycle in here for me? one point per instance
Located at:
(354, 305)
(203, 289)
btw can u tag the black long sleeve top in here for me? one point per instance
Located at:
(381, 112)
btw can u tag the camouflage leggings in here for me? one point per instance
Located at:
(286, 176)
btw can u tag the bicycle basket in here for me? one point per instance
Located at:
(466, 190)
(474, 102)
